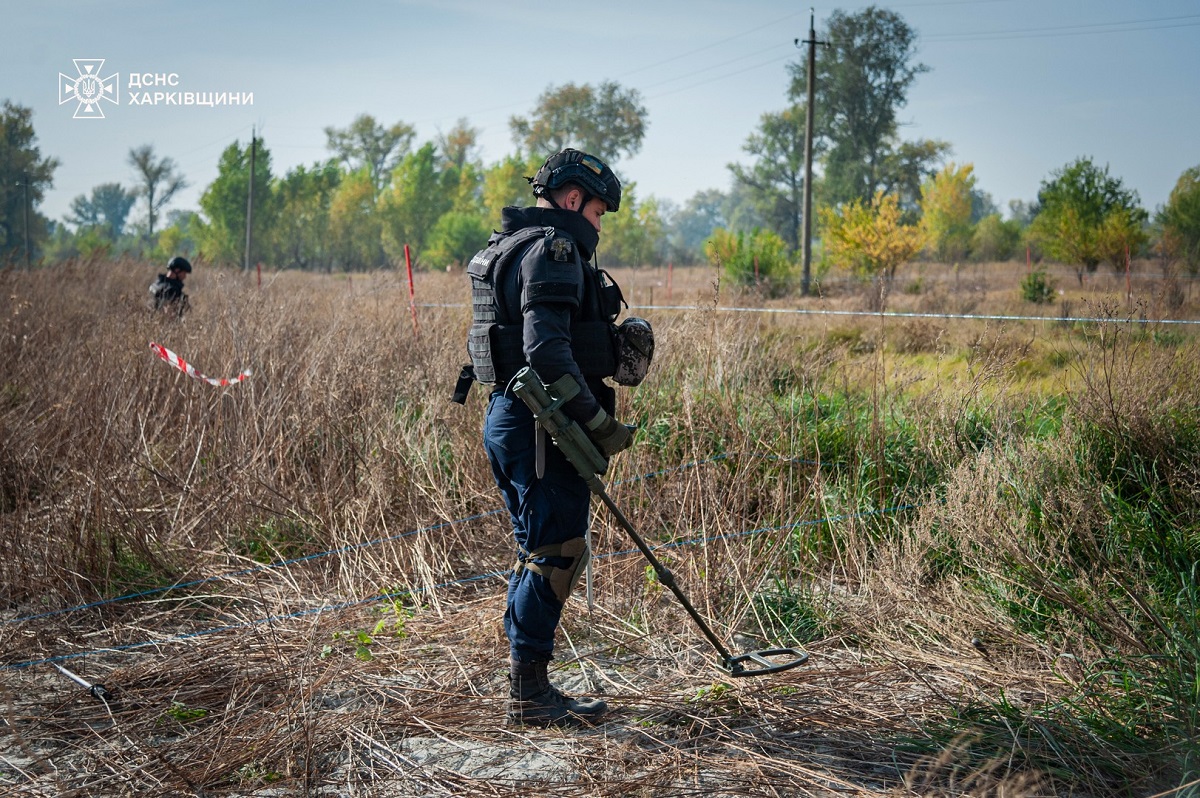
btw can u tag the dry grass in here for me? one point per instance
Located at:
(119, 475)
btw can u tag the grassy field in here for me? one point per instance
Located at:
(984, 531)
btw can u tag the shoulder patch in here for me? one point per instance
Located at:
(560, 250)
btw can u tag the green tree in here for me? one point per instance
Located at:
(24, 177)
(1022, 212)
(366, 143)
(755, 259)
(607, 121)
(178, 236)
(740, 210)
(982, 205)
(158, 182)
(862, 80)
(694, 223)
(455, 238)
(420, 192)
(504, 185)
(222, 235)
(775, 181)
(460, 146)
(458, 154)
(1037, 288)
(906, 167)
(1180, 219)
(300, 238)
(1074, 203)
(1121, 236)
(355, 224)
(634, 236)
(107, 209)
(995, 239)
(946, 206)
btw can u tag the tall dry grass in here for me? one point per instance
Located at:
(1027, 586)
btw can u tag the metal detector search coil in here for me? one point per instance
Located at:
(546, 402)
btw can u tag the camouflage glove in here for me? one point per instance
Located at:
(610, 435)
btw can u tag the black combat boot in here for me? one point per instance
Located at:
(533, 701)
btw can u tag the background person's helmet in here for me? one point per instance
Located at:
(588, 171)
(178, 263)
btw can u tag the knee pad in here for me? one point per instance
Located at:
(562, 580)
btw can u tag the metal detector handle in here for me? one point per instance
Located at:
(546, 402)
(666, 578)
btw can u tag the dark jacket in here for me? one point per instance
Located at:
(547, 319)
(168, 291)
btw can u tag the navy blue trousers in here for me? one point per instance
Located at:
(553, 509)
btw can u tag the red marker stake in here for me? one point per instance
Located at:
(412, 296)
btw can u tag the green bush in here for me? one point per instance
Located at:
(1037, 288)
(756, 260)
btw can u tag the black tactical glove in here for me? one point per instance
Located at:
(610, 435)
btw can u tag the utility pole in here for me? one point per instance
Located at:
(25, 206)
(812, 43)
(250, 200)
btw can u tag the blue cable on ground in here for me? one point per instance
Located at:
(465, 580)
(318, 555)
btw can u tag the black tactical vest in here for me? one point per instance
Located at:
(496, 339)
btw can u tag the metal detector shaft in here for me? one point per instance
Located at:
(665, 576)
(753, 663)
(546, 402)
(97, 691)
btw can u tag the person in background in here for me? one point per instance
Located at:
(167, 291)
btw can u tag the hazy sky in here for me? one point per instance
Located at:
(1018, 87)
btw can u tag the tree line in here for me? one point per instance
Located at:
(880, 200)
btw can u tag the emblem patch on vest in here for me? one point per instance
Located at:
(560, 249)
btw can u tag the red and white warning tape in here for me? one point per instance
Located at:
(190, 370)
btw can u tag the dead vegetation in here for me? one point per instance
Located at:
(372, 663)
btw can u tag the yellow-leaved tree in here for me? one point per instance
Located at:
(870, 240)
(946, 212)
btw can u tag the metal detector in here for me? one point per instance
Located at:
(546, 402)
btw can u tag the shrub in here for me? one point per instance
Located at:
(758, 260)
(1037, 288)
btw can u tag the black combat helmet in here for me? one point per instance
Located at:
(588, 171)
(180, 264)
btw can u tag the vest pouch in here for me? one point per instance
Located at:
(635, 350)
(479, 347)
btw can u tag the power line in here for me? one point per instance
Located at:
(1064, 30)
(772, 23)
(715, 66)
(751, 68)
